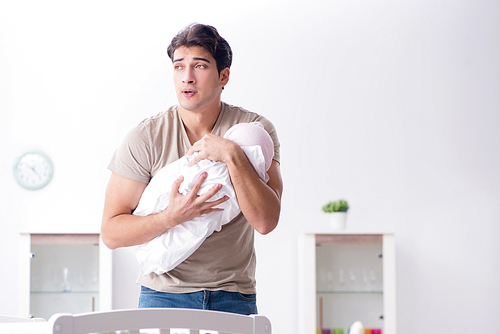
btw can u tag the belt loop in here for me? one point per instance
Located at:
(206, 298)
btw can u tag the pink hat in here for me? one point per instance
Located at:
(250, 134)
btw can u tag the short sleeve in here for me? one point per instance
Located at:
(131, 158)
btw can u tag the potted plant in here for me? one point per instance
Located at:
(338, 213)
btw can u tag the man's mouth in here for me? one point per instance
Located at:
(188, 92)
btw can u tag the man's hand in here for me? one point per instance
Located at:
(120, 228)
(182, 208)
(259, 202)
(212, 147)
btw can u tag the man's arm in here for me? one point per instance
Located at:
(120, 228)
(259, 202)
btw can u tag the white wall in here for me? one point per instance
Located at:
(393, 105)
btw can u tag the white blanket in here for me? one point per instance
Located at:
(168, 250)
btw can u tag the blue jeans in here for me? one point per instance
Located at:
(223, 301)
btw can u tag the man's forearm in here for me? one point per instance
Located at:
(126, 230)
(120, 228)
(259, 202)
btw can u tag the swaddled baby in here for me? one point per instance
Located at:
(168, 250)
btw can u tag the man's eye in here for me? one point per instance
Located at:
(178, 67)
(200, 66)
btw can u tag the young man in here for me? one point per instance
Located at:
(220, 275)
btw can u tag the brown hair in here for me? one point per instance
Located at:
(208, 38)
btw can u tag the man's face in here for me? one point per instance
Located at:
(197, 82)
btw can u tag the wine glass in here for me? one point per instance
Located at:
(342, 281)
(81, 278)
(65, 275)
(366, 280)
(373, 279)
(352, 280)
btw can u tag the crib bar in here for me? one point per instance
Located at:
(136, 319)
(24, 328)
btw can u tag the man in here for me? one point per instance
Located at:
(220, 275)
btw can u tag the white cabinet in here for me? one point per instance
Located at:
(63, 273)
(345, 277)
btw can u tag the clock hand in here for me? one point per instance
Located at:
(34, 171)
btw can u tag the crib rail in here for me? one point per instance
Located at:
(141, 320)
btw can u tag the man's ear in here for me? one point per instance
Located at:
(224, 76)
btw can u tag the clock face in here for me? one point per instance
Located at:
(33, 170)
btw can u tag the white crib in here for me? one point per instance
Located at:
(149, 320)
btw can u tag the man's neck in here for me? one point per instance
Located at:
(199, 123)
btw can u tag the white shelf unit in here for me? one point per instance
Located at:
(348, 277)
(63, 273)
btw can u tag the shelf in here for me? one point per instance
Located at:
(333, 286)
(64, 292)
(65, 239)
(349, 292)
(49, 262)
(348, 239)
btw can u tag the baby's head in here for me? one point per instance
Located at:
(250, 134)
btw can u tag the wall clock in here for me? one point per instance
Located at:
(33, 170)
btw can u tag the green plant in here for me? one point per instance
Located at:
(336, 206)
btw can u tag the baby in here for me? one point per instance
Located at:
(168, 250)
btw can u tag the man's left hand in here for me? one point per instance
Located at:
(212, 147)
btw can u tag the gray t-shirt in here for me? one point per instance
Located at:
(226, 260)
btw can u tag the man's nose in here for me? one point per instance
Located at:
(188, 77)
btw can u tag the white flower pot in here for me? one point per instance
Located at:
(338, 220)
